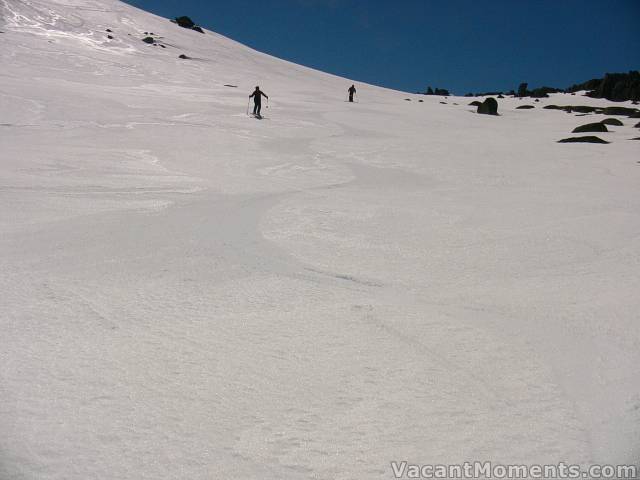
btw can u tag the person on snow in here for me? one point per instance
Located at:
(257, 100)
(352, 91)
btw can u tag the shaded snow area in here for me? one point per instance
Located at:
(192, 293)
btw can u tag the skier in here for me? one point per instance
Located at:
(351, 91)
(257, 100)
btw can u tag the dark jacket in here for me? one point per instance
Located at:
(258, 94)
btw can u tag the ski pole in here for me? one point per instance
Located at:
(248, 105)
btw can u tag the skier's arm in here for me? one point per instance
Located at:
(265, 95)
(252, 94)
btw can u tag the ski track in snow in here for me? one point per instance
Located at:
(189, 293)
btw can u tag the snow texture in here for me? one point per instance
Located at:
(190, 293)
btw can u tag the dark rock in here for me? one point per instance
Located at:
(619, 111)
(148, 40)
(635, 138)
(408, 99)
(162, 46)
(637, 125)
(635, 115)
(574, 108)
(421, 101)
(612, 121)
(500, 96)
(536, 100)
(489, 107)
(232, 86)
(583, 109)
(591, 127)
(475, 103)
(110, 37)
(444, 103)
(183, 57)
(524, 107)
(185, 22)
(586, 139)
(108, 30)
(614, 86)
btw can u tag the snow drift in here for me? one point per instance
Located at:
(188, 292)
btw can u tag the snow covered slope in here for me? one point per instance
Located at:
(188, 292)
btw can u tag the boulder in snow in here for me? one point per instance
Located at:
(489, 107)
(585, 139)
(612, 121)
(186, 22)
(619, 111)
(581, 109)
(591, 127)
(574, 108)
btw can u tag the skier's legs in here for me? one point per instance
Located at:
(257, 109)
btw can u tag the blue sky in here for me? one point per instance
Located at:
(462, 45)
